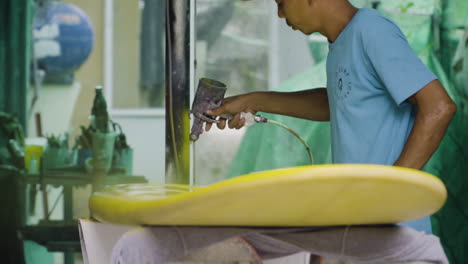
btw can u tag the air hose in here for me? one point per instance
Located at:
(251, 119)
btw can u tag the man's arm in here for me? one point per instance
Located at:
(435, 109)
(309, 104)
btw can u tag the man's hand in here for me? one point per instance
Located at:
(232, 107)
(435, 109)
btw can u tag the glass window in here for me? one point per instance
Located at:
(232, 46)
(246, 46)
(232, 43)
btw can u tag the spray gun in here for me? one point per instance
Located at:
(210, 95)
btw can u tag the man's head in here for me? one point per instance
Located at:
(303, 15)
(328, 17)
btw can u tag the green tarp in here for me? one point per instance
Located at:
(15, 46)
(15, 41)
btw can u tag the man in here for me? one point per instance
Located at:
(383, 104)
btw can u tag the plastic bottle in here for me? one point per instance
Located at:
(99, 111)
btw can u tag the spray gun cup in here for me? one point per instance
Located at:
(208, 83)
(209, 95)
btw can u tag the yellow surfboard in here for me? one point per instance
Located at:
(317, 195)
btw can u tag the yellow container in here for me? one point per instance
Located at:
(33, 151)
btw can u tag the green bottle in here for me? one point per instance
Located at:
(99, 112)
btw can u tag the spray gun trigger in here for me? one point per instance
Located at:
(206, 118)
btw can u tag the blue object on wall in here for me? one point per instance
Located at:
(63, 40)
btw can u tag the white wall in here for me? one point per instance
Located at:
(146, 135)
(56, 104)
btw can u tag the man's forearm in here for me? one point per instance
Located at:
(309, 104)
(425, 137)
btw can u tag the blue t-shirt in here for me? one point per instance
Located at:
(371, 71)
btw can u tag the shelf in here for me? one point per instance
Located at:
(74, 177)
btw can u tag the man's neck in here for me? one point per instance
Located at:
(338, 17)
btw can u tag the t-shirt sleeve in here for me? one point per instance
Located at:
(397, 66)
